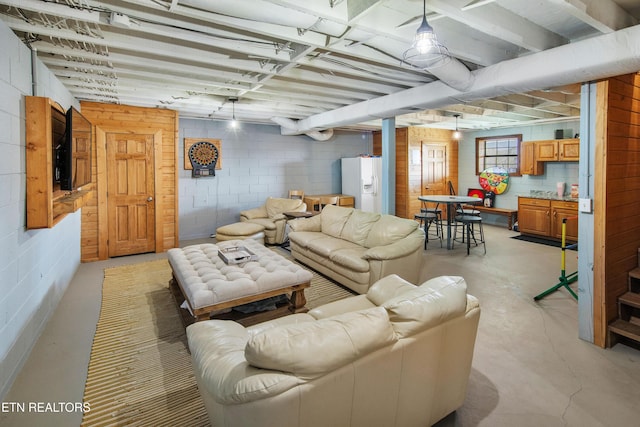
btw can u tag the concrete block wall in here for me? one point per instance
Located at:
(36, 266)
(257, 162)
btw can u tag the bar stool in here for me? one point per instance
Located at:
(472, 226)
(435, 210)
(426, 219)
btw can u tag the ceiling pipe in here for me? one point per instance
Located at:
(289, 127)
(600, 57)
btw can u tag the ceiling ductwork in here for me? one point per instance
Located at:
(617, 54)
(289, 127)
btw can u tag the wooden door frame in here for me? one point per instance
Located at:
(101, 186)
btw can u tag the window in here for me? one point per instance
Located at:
(501, 151)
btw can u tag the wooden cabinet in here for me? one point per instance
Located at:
(46, 203)
(533, 154)
(569, 150)
(543, 217)
(559, 211)
(546, 151)
(528, 163)
(558, 150)
(534, 216)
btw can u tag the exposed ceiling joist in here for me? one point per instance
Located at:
(330, 63)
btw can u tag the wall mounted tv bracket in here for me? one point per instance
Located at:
(203, 156)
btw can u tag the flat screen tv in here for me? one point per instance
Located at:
(73, 153)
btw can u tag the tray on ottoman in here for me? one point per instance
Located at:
(236, 255)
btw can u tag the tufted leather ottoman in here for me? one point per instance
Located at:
(240, 231)
(208, 285)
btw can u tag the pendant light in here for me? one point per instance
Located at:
(234, 122)
(456, 134)
(425, 51)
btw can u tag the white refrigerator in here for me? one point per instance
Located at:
(361, 178)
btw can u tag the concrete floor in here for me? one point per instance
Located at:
(529, 369)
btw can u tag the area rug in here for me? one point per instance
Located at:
(542, 241)
(140, 369)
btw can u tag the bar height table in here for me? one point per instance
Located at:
(449, 201)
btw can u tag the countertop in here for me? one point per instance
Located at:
(548, 195)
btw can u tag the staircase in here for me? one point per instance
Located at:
(626, 328)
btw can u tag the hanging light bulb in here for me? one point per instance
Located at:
(457, 134)
(425, 39)
(234, 122)
(425, 51)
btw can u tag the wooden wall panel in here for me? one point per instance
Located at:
(123, 118)
(408, 173)
(617, 230)
(402, 173)
(419, 136)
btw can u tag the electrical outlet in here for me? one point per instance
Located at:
(584, 205)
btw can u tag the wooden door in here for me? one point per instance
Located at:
(434, 170)
(130, 193)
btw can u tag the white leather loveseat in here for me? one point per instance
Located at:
(398, 356)
(356, 248)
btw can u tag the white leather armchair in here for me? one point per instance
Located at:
(270, 215)
(399, 355)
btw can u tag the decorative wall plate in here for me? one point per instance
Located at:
(494, 179)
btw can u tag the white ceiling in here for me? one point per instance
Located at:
(308, 59)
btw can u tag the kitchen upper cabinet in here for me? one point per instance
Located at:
(569, 150)
(533, 154)
(528, 163)
(558, 150)
(546, 151)
(544, 217)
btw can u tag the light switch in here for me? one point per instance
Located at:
(584, 205)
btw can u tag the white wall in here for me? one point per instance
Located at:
(519, 185)
(257, 162)
(36, 266)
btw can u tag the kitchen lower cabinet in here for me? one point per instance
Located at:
(533, 216)
(559, 211)
(543, 217)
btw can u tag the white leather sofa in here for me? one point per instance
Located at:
(399, 355)
(271, 217)
(357, 248)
